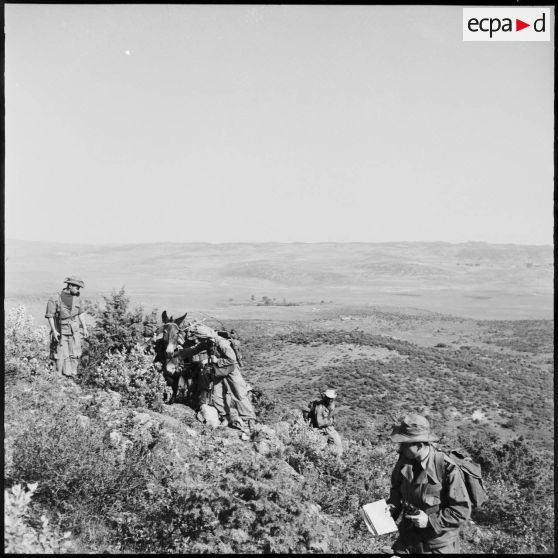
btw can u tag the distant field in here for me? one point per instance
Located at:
(475, 280)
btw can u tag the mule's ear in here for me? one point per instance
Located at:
(178, 321)
(165, 317)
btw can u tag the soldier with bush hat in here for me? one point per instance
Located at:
(65, 314)
(225, 385)
(434, 509)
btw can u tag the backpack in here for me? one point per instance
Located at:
(234, 345)
(472, 475)
(310, 414)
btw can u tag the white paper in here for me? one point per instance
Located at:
(378, 518)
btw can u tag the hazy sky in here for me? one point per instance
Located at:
(143, 123)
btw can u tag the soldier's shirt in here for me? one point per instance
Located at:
(68, 304)
(445, 501)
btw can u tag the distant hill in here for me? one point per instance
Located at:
(471, 279)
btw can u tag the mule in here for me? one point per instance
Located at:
(169, 340)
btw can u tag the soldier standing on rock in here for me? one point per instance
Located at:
(65, 314)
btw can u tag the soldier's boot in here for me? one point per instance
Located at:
(239, 424)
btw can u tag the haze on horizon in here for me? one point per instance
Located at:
(270, 242)
(268, 123)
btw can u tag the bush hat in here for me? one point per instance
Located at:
(73, 280)
(413, 428)
(200, 331)
(330, 394)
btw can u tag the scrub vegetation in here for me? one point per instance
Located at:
(103, 466)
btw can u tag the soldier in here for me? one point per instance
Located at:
(322, 417)
(65, 314)
(434, 508)
(229, 392)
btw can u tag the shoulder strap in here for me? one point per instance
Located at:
(58, 303)
(440, 467)
(440, 460)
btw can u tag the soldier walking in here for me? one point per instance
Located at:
(434, 509)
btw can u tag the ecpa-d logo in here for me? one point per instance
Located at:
(506, 24)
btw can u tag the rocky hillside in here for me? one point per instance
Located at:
(102, 465)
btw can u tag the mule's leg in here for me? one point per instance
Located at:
(174, 390)
(181, 385)
(171, 382)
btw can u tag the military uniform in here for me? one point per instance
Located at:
(324, 420)
(65, 309)
(445, 502)
(231, 392)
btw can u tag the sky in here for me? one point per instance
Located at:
(267, 123)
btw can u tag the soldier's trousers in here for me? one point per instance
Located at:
(334, 440)
(404, 546)
(231, 394)
(66, 354)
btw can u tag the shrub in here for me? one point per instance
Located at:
(133, 375)
(116, 329)
(20, 536)
(305, 447)
(26, 347)
(520, 487)
(232, 505)
(264, 405)
(82, 478)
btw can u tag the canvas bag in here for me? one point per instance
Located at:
(220, 372)
(310, 414)
(472, 475)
